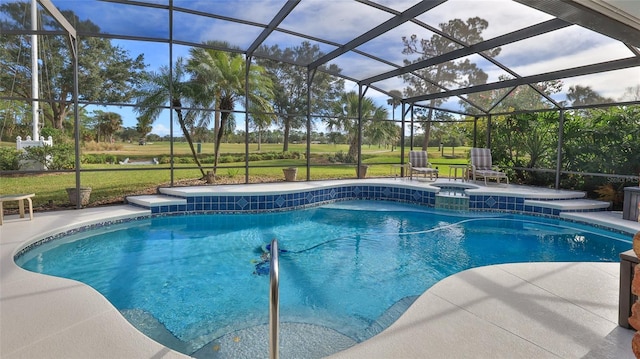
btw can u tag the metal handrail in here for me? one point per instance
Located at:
(274, 302)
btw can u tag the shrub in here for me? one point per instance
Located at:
(255, 157)
(225, 159)
(9, 159)
(341, 157)
(232, 172)
(183, 160)
(110, 159)
(99, 158)
(293, 155)
(270, 156)
(58, 135)
(92, 158)
(56, 157)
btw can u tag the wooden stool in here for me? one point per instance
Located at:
(20, 198)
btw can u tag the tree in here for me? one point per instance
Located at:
(631, 94)
(433, 79)
(394, 102)
(290, 85)
(221, 77)
(106, 73)
(106, 124)
(345, 118)
(159, 88)
(12, 120)
(382, 133)
(523, 97)
(129, 134)
(603, 141)
(585, 95)
(526, 140)
(143, 127)
(336, 137)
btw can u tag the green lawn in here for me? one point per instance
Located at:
(122, 180)
(182, 148)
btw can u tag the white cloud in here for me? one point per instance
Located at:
(160, 130)
(358, 66)
(236, 34)
(585, 56)
(503, 16)
(611, 84)
(337, 21)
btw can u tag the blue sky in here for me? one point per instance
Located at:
(341, 20)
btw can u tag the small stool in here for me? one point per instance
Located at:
(463, 173)
(20, 198)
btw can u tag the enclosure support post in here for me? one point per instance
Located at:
(170, 99)
(560, 143)
(359, 163)
(35, 92)
(475, 131)
(274, 302)
(489, 131)
(76, 118)
(412, 126)
(310, 75)
(402, 129)
(246, 119)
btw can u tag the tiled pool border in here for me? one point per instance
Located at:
(234, 202)
(246, 204)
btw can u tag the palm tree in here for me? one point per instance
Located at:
(382, 133)
(160, 87)
(345, 114)
(222, 77)
(108, 124)
(394, 101)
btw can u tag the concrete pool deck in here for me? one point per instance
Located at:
(536, 310)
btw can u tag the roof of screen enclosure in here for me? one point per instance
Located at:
(591, 43)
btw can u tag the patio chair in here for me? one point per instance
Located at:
(482, 167)
(418, 163)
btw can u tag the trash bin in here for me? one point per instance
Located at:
(199, 147)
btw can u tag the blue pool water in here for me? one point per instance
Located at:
(189, 280)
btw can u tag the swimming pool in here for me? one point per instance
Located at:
(352, 267)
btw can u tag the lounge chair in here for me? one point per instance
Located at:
(418, 163)
(482, 167)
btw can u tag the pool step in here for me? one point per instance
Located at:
(388, 317)
(570, 205)
(447, 201)
(153, 328)
(606, 219)
(155, 200)
(297, 340)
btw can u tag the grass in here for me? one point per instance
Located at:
(156, 149)
(119, 181)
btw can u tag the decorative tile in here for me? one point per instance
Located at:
(490, 202)
(242, 202)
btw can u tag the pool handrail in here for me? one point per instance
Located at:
(274, 302)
